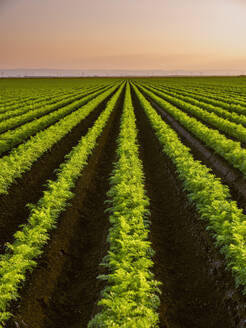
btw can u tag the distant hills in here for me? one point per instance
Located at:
(84, 73)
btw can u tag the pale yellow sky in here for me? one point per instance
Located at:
(123, 34)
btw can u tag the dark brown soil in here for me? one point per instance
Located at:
(29, 188)
(67, 103)
(204, 122)
(224, 170)
(21, 141)
(64, 289)
(197, 291)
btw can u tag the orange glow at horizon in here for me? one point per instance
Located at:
(130, 34)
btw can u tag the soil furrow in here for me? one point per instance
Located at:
(196, 289)
(29, 188)
(7, 152)
(209, 125)
(224, 170)
(38, 117)
(64, 289)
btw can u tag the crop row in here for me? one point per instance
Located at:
(21, 119)
(29, 99)
(220, 99)
(14, 137)
(227, 148)
(47, 104)
(130, 297)
(22, 254)
(20, 159)
(224, 94)
(231, 129)
(33, 98)
(206, 99)
(216, 86)
(212, 199)
(224, 113)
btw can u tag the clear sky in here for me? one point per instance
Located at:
(123, 34)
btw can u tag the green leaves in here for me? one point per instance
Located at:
(231, 150)
(28, 242)
(130, 298)
(211, 198)
(21, 158)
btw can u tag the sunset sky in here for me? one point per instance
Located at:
(123, 34)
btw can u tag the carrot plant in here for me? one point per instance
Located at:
(41, 108)
(207, 98)
(21, 256)
(225, 114)
(231, 150)
(232, 129)
(14, 137)
(212, 199)
(20, 159)
(130, 298)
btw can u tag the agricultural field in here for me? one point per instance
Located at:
(123, 202)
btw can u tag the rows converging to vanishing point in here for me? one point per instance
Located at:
(122, 202)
